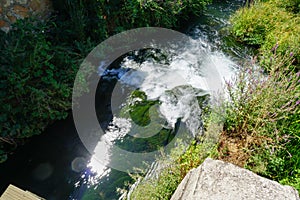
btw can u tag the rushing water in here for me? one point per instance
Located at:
(56, 165)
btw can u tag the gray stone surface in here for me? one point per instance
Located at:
(218, 180)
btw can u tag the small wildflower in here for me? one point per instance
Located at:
(291, 54)
(229, 84)
(297, 102)
(274, 48)
(253, 60)
(248, 71)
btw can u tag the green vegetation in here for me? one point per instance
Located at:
(174, 171)
(139, 110)
(40, 58)
(271, 26)
(261, 128)
(33, 91)
(262, 122)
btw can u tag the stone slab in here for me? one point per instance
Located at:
(218, 180)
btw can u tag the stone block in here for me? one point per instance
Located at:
(218, 180)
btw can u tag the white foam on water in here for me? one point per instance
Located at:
(194, 71)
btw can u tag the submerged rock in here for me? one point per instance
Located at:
(218, 180)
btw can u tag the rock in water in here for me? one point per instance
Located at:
(218, 180)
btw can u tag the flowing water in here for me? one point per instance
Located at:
(56, 165)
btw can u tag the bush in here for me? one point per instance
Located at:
(262, 122)
(36, 81)
(289, 5)
(268, 26)
(251, 25)
(136, 13)
(263, 117)
(286, 39)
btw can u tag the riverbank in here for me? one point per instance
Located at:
(261, 117)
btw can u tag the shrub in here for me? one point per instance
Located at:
(36, 81)
(268, 26)
(283, 39)
(262, 122)
(289, 5)
(137, 13)
(251, 25)
(262, 119)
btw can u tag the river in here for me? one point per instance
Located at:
(57, 166)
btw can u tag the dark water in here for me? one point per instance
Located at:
(53, 165)
(44, 165)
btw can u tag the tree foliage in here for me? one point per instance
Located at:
(40, 58)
